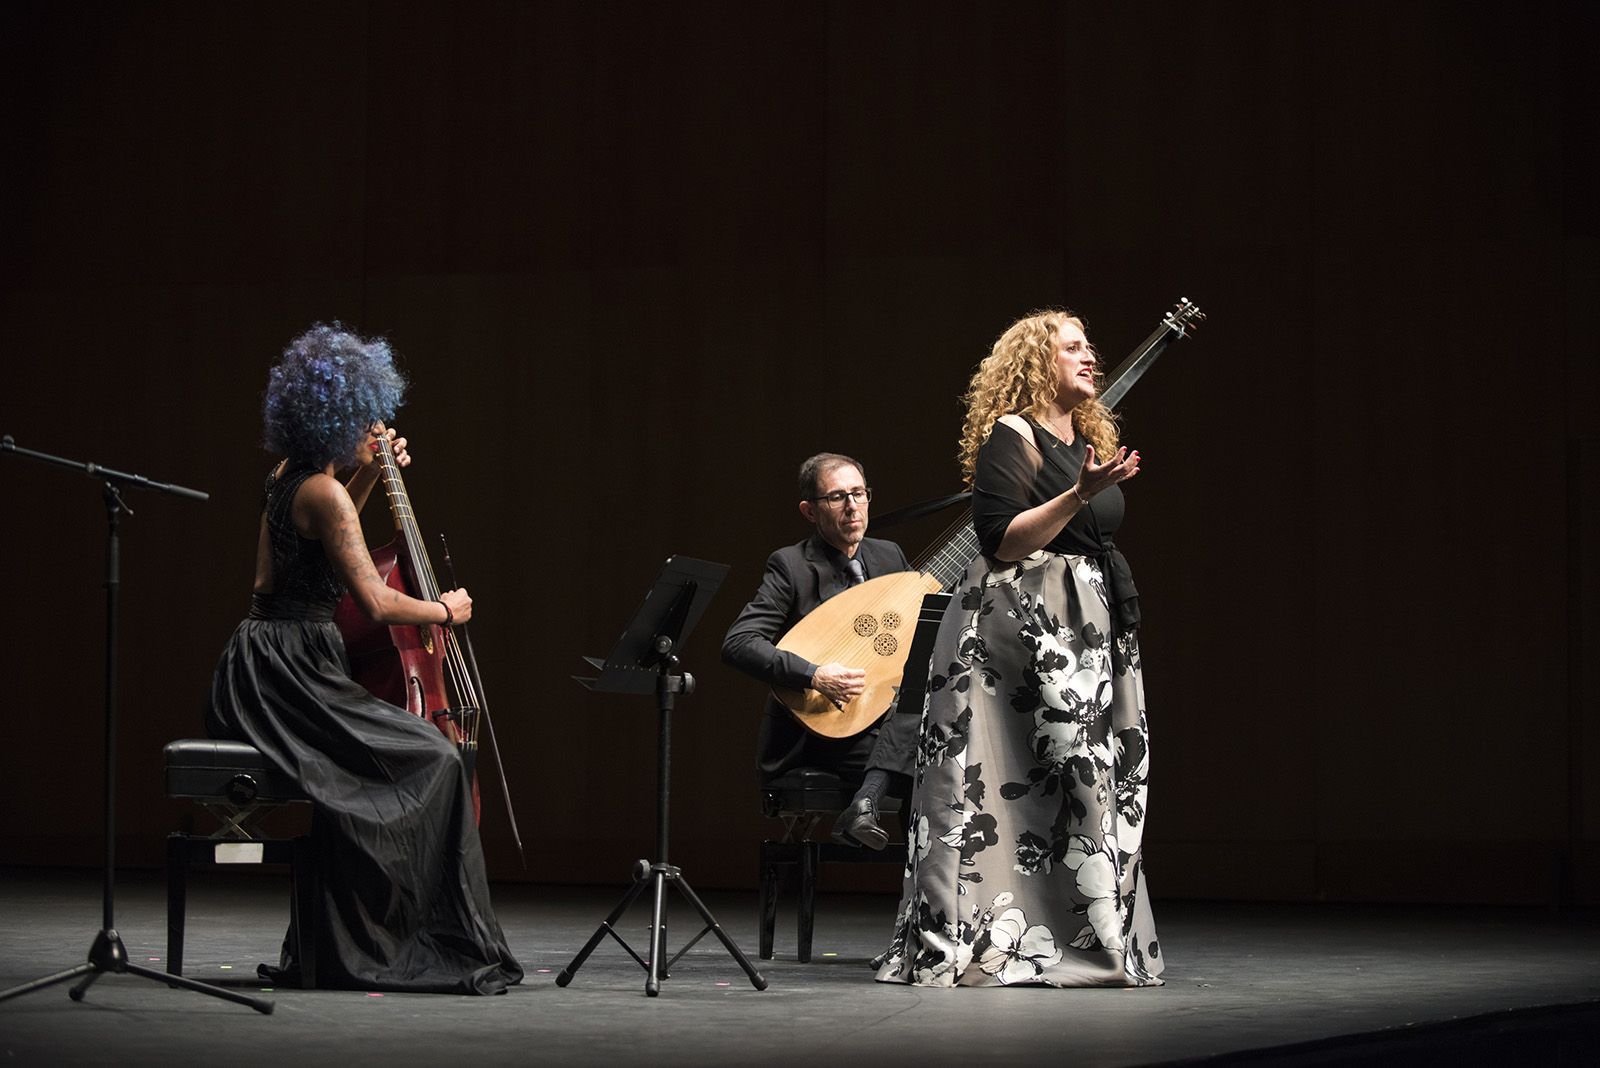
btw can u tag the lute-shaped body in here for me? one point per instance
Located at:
(869, 627)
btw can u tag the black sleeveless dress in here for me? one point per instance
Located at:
(404, 897)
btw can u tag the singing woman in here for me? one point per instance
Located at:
(404, 899)
(1029, 804)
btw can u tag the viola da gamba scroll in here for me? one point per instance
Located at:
(870, 626)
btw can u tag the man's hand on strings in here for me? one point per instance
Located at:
(838, 683)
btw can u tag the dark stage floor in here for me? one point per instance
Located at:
(1295, 984)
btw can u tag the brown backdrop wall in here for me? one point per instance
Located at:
(640, 260)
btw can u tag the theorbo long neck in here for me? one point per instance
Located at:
(405, 523)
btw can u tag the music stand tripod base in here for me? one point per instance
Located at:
(656, 877)
(644, 659)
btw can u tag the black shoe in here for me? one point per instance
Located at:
(858, 825)
(280, 977)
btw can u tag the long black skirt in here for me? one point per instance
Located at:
(404, 901)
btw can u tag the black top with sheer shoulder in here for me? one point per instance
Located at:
(1015, 473)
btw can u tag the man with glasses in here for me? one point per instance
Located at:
(834, 498)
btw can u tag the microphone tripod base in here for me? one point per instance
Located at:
(108, 954)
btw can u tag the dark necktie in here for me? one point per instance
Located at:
(857, 574)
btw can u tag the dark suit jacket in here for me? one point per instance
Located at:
(797, 579)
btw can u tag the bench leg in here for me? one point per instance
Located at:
(303, 910)
(767, 914)
(809, 856)
(177, 899)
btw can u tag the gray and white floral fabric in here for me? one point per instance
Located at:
(1024, 861)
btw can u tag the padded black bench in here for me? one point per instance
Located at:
(235, 783)
(802, 799)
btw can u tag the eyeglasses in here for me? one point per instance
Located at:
(837, 497)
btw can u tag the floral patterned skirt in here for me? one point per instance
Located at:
(1024, 859)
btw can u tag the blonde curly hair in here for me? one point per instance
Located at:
(1019, 375)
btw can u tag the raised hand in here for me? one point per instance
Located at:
(1094, 477)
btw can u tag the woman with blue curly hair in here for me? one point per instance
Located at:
(403, 896)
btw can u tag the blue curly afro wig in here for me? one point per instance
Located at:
(326, 391)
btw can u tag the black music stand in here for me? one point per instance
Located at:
(913, 690)
(107, 953)
(645, 659)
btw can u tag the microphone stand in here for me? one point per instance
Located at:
(107, 953)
